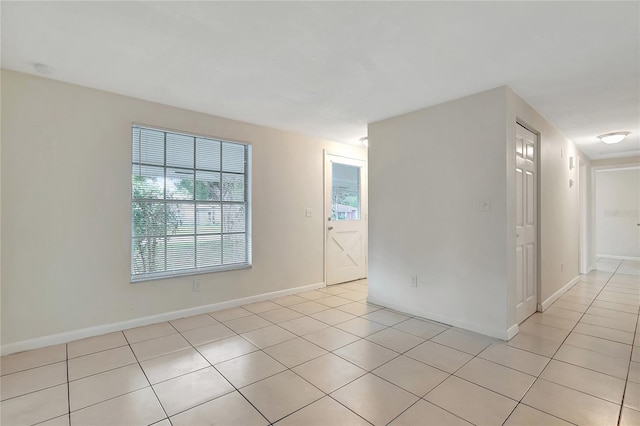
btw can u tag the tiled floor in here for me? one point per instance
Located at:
(326, 357)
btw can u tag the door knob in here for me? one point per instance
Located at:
(330, 228)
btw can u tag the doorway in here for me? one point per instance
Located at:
(345, 219)
(526, 223)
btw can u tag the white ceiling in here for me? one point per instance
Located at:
(327, 69)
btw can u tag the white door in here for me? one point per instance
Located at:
(526, 234)
(345, 218)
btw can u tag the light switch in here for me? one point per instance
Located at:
(485, 204)
(307, 212)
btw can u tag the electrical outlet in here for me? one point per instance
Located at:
(308, 212)
(414, 281)
(197, 286)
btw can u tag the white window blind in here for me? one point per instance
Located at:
(189, 204)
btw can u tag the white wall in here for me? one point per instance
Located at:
(427, 172)
(617, 205)
(66, 182)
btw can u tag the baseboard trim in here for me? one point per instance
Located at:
(466, 325)
(69, 336)
(512, 331)
(607, 256)
(555, 296)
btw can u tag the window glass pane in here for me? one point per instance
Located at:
(180, 218)
(148, 146)
(209, 218)
(233, 249)
(147, 182)
(180, 150)
(207, 186)
(209, 250)
(345, 192)
(180, 184)
(233, 157)
(180, 253)
(232, 187)
(233, 218)
(207, 154)
(148, 219)
(147, 255)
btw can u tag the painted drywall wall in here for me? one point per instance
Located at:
(558, 207)
(617, 205)
(587, 238)
(429, 171)
(66, 182)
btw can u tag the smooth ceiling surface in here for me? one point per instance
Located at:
(327, 69)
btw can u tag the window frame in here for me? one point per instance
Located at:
(247, 203)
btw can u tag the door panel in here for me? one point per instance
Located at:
(526, 222)
(345, 219)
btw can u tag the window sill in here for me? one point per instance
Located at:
(187, 273)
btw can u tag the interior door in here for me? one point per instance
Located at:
(526, 223)
(345, 217)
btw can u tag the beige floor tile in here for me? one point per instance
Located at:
(245, 324)
(553, 321)
(98, 362)
(281, 395)
(524, 415)
(289, 300)
(577, 307)
(295, 352)
(635, 355)
(57, 421)
(329, 372)
(196, 321)
(323, 412)
(584, 380)
(226, 349)
(534, 344)
(30, 359)
(596, 344)
(96, 344)
(604, 333)
(396, 340)
(230, 314)
(312, 295)
(331, 338)
(32, 380)
(629, 417)
(518, 359)
(333, 301)
(386, 317)
(374, 399)
(228, 410)
(208, 334)
(613, 297)
(184, 392)
(173, 365)
(159, 346)
(332, 316)
(366, 354)
(334, 289)
(634, 372)
(35, 407)
(439, 356)
(571, 405)
(139, 407)
(360, 327)
(354, 295)
(426, 414)
(268, 336)
(357, 308)
(471, 402)
(632, 396)
(147, 332)
(309, 307)
(411, 375)
(576, 299)
(503, 380)
(303, 325)
(617, 323)
(615, 306)
(100, 387)
(423, 329)
(610, 313)
(277, 316)
(549, 333)
(471, 343)
(249, 368)
(613, 366)
(260, 307)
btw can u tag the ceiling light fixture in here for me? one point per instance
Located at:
(611, 138)
(365, 141)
